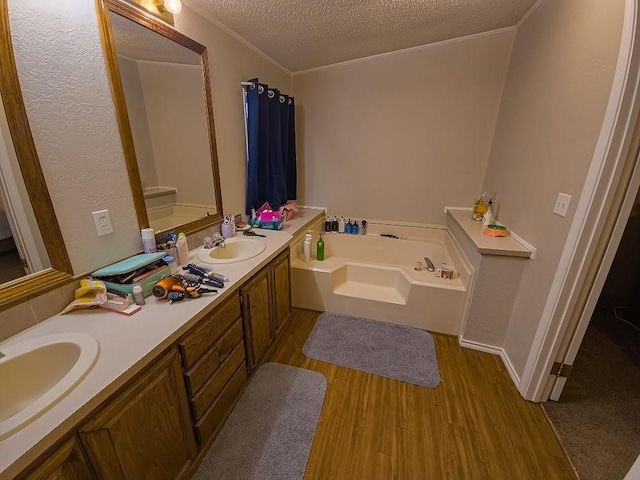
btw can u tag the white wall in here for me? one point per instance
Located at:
(557, 88)
(73, 122)
(397, 137)
(177, 117)
(230, 63)
(72, 117)
(138, 120)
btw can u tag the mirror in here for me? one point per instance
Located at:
(161, 89)
(29, 166)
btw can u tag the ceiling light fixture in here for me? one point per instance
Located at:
(171, 6)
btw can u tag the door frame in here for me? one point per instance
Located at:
(14, 207)
(595, 230)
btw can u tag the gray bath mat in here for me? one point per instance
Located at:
(269, 433)
(402, 353)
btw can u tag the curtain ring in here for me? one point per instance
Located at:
(260, 89)
(290, 102)
(253, 85)
(282, 99)
(271, 94)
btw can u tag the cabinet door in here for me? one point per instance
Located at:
(145, 433)
(67, 462)
(256, 313)
(282, 292)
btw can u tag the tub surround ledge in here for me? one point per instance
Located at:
(512, 245)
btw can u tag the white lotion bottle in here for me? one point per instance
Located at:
(183, 250)
(307, 247)
(341, 225)
(488, 215)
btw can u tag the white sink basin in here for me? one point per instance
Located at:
(235, 250)
(36, 374)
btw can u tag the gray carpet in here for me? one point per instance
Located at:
(269, 433)
(394, 351)
(598, 415)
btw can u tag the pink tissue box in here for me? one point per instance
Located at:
(270, 216)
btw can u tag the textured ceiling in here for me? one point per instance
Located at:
(305, 34)
(139, 43)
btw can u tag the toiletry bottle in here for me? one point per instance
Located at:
(183, 250)
(307, 247)
(488, 215)
(327, 224)
(341, 225)
(320, 249)
(138, 296)
(363, 228)
(148, 240)
(350, 229)
(354, 228)
(334, 224)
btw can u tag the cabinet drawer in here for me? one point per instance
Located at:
(209, 329)
(221, 408)
(211, 389)
(201, 371)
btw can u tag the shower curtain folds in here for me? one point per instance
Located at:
(271, 147)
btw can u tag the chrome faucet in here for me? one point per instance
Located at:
(218, 240)
(430, 266)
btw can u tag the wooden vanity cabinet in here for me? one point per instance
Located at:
(256, 314)
(145, 432)
(215, 368)
(266, 306)
(66, 462)
(281, 281)
(159, 424)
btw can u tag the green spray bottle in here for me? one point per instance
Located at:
(320, 249)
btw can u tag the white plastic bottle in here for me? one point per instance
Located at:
(307, 247)
(183, 250)
(138, 296)
(488, 216)
(341, 225)
(148, 240)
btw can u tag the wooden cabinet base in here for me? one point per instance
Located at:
(145, 432)
(214, 418)
(67, 462)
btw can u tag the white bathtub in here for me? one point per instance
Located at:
(375, 277)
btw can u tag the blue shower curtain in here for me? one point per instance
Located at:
(271, 141)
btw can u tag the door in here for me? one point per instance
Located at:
(13, 211)
(282, 292)
(256, 314)
(572, 340)
(145, 433)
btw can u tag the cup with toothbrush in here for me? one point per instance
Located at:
(228, 228)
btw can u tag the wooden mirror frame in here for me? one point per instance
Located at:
(148, 20)
(60, 272)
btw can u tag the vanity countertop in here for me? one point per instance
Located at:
(127, 345)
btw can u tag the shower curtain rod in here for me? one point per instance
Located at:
(246, 84)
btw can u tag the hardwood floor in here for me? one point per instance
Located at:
(475, 425)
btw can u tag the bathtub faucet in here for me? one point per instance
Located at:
(430, 266)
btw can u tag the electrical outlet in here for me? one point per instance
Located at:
(562, 204)
(103, 222)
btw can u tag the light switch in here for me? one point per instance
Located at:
(562, 204)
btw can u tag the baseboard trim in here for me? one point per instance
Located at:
(499, 351)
